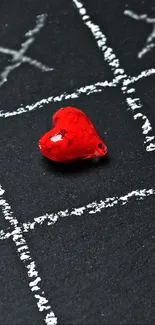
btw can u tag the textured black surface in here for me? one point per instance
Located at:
(99, 268)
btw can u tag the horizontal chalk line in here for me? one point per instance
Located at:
(87, 90)
(91, 208)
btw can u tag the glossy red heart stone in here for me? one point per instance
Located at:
(73, 137)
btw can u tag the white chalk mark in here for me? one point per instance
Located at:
(88, 90)
(23, 252)
(7, 70)
(143, 74)
(146, 127)
(151, 147)
(131, 90)
(109, 56)
(90, 208)
(150, 42)
(37, 64)
(120, 78)
(18, 57)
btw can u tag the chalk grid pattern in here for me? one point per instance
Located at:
(16, 230)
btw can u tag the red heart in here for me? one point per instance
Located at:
(73, 137)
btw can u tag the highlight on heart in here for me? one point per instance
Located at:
(73, 137)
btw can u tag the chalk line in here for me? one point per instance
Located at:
(88, 90)
(91, 208)
(23, 252)
(18, 57)
(143, 74)
(109, 56)
(120, 78)
(149, 42)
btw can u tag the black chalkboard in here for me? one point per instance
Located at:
(77, 240)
